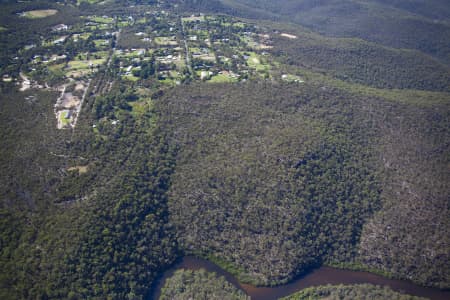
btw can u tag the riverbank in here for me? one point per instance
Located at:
(318, 277)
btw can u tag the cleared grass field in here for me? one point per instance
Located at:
(165, 41)
(63, 118)
(130, 77)
(139, 108)
(222, 78)
(82, 36)
(254, 61)
(104, 20)
(39, 13)
(78, 64)
(101, 44)
(57, 70)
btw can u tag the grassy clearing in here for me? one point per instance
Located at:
(193, 19)
(78, 64)
(65, 121)
(123, 24)
(57, 70)
(254, 61)
(98, 62)
(130, 77)
(142, 21)
(101, 44)
(131, 54)
(99, 54)
(222, 78)
(139, 108)
(168, 81)
(81, 36)
(78, 73)
(249, 41)
(102, 20)
(165, 41)
(39, 13)
(239, 25)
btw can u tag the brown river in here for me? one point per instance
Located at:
(320, 276)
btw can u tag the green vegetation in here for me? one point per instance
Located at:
(40, 13)
(188, 284)
(255, 61)
(264, 176)
(162, 40)
(354, 61)
(343, 292)
(64, 118)
(263, 185)
(88, 1)
(104, 20)
(193, 19)
(222, 78)
(400, 24)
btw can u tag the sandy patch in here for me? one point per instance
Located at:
(289, 36)
(80, 169)
(69, 100)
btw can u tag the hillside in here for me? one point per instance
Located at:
(398, 24)
(363, 291)
(325, 159)
(250, 133)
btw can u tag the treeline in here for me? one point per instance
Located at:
(348, 292)
(199, 284)
(364, 63)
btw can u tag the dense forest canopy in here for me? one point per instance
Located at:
(268, 137)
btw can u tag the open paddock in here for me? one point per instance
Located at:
(39, 13)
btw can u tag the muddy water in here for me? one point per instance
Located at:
(321, 276)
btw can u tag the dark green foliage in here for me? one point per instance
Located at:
(408, 237)
(268, 179)
(188, 284)
(22, 31)
(271, 170)
(30, 141)
(348, 292)
(108, 234)
(364, 63)
(400, 24)
(126, 239)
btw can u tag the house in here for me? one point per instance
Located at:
(60, 27)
